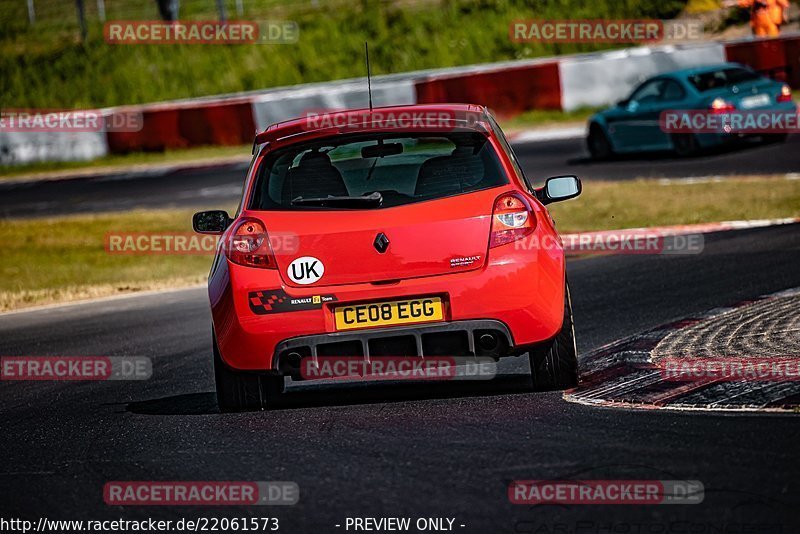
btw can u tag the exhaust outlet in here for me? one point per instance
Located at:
(294, 359)
(488, 342)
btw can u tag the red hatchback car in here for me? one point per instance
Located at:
(404, 231)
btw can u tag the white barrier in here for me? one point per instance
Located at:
(278, 106)
(19, 148)
(601, 79)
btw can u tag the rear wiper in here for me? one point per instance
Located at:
(373, 200)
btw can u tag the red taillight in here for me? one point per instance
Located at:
(512, 219)
(785, 95)
(720, 105)
(248, 244)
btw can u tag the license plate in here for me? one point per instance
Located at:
(754, 101)
(396, 312)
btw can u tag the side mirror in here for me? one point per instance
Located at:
(559, 188)
(210, 222)
(622, 103)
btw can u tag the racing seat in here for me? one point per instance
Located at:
(314, 177)
(448, 175)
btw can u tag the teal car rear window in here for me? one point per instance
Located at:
(717, 79)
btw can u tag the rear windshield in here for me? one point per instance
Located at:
(722, 78)
(404, 169)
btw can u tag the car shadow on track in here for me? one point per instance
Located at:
(318, 395)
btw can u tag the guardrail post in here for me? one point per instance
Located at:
(31, 13)
(81, 18)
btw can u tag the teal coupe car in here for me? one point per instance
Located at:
(633, 124)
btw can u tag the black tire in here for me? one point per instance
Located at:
(598, 143)
(554, 365)
(238, 391)
(685, 145)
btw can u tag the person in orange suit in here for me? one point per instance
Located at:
(766, 16)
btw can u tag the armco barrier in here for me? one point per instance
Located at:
(221, 124)
(792, 50)
(778, 58)
(507, 91)
(227, 122)
(159, 131)
(768, 56)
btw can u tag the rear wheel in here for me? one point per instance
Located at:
(598, 143)
(685, 145)
(554, 365)
(238, 391)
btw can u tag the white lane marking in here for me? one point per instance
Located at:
(569, 397)
(758, 223)
(549, 134)
(213, 192)
(693, 180)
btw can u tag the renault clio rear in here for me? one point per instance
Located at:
(408, 232)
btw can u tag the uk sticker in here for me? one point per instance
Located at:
(305, 270)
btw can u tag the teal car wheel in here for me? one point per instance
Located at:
(598, 143)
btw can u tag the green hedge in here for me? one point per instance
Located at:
(48, 65)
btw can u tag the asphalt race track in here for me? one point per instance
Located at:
(221, 186)
(550, 158)
(433, 450)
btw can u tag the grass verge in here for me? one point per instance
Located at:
(64, 258)
(47, 65)
(126, 162)
(538, 118)
(647, 202)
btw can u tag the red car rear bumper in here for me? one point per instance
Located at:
(520, 287)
